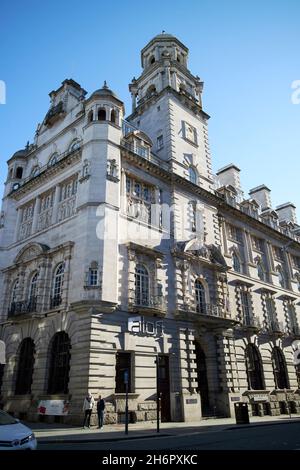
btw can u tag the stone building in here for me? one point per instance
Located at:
(123, 255)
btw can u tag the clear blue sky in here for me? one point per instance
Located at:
(247, 53)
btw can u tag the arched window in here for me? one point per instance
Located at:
(52, 160)
(236, 264)
(261, 271)
(279, 369)
(19, 172)
(141, 285)
(152, 60)
(58, 281)
(59, 363)
(32, 294)
(113, 116)
(200, 297)
(101, 114)
(254, 368)
(25, 367)
(13, 299)
(192, 175)
(15, 291)
(91, 116)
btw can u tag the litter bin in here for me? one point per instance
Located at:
(241, 413)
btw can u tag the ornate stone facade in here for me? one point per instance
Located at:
(121, 251)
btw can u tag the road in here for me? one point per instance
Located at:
(285, 436)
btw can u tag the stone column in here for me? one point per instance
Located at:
(55, 204)
(37, 207)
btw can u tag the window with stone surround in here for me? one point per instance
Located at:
(32, 292)
(236, 263)
(261, 270)
(292, 318)
(257, 244)
(200, 297)
(67, 204)
(58, 379)
(92, 276)
(254, 368)
(278, 253)
(46, 209)
(26, 220)
(57, 287)
(193, 177)
(234, 233)
(142, 288)
(279, 369)
(246, 307)
(140, 196)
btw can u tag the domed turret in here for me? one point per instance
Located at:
(104, 105)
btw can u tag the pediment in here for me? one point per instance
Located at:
(31, 251)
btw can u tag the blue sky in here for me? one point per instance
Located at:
(247, 53)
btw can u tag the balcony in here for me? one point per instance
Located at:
(55, 301)
(275, 327)
(214, 315)
(210, 309)
(23, 307)
(145, 154)
(251, 322)
(148, 304)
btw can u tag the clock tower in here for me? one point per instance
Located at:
(167, 106)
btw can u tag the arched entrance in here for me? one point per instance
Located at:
(202, 379)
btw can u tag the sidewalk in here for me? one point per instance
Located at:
(58, 433)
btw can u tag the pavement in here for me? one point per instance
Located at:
(59, 433)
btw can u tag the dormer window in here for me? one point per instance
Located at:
(19, 172)
(152, 60)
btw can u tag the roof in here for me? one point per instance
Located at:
(104, 92)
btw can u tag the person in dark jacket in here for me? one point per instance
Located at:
(100, 411)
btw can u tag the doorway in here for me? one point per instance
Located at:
(164, 388)
(202, 379)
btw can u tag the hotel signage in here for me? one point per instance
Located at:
(139, 325)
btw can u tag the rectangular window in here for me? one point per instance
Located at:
(139, 199)
(160, 142)
(257, 244)
(235, 233)
(93, 277)
(123, 372)
(246, 307)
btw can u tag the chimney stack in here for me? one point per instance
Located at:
(287, 212)
(230, 174)
(261, 194)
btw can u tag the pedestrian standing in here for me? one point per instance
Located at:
(100, 411)
(88, 405)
